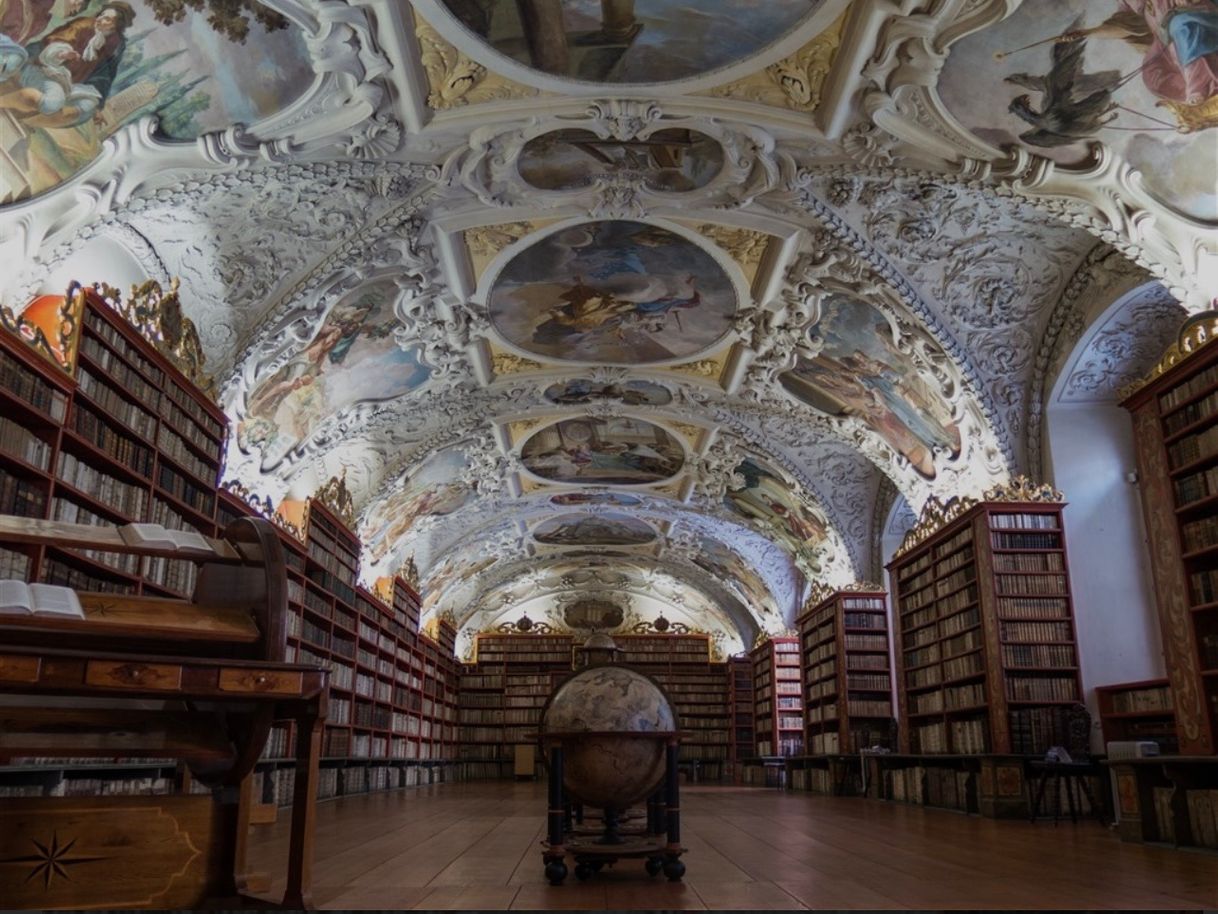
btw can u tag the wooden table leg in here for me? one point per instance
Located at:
(304, 812)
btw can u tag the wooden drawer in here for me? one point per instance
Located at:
(16, 668)
(274, 682)
(133, 675)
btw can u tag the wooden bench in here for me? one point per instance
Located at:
(200, 681)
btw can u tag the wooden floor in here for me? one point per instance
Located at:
(476, 845)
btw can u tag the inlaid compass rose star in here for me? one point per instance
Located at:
(52, 860)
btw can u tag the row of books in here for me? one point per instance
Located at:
(1204, 586)
(1023, 521)
(1019, 585)
(123, 497)
(471, 716)
(14, 565)
(1015, 608)
(175, 447)
(1137, 701)
(786, 746)
(21, 497)
(954, 561)
(1041, 688)
(1003, 541)
(118, 446)
(1196, 486)
(1033, 562)
(122, 374)
(866, 642)
(1023, 632)
(962, 644)
(1190, 388)
(25, 385)
(57, 571)
(1193, 447)
(16, 441)
(865, 620)
(1038, 655)
(135, 418)
(198, 497)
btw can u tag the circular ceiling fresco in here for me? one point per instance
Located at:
(610, 529)
(630, 41)
(616, 292)
(616, 451)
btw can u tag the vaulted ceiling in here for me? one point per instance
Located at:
(635, 300)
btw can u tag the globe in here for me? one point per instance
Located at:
(602, 717)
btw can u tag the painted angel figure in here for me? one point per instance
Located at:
(1178, 40)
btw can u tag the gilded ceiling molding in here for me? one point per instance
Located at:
(1196, 335)
(745, 246)
(486, 242)
(454, 79)
(795, 82)
(337, 497)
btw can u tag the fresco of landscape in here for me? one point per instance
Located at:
(632, 393)
(613, 292)
(617, 451)
(630, 41)
(1141, 76)
(433, 490)
(767, 497)
(861, 372)
(352, 358)
(72, 72)
(593, 530)
(667, 160)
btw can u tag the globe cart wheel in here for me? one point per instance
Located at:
(654, 865)
(556, 872)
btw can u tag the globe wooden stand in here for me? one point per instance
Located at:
(658, 843)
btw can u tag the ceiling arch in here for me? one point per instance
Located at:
(769, 294)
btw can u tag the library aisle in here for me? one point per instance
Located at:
(476, 846)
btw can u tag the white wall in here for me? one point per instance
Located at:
(1118, 631)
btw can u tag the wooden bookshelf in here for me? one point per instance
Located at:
(844, 651)
(1175, 422)
(392, 709)
(502, 694)
(1139, 711)
(778, 720)
(120, 436)
(985, 643)
(740, 702)
(698, 687)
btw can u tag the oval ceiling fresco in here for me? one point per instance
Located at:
(63, 92)
(861, 371)
(611, 529)
(667, 160)
(615, 451)
(630, 41)
(1140, 77)
(614, 292)
(632, 393)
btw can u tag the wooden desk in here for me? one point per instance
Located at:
(200, 681)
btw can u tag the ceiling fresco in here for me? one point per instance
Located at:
(73, 73)
(626, 300)
(616, 292)
(629, 41)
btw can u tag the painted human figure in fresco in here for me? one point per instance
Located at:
(22, 21)
(434, 500)
(344, 326)
(67, 75)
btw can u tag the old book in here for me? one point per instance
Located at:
(158, 536)
(19, 598)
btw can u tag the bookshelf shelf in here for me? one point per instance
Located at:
(984, 637)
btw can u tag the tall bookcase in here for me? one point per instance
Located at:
(393, 692)
(847, 677)
(986, 651)
(740, 701)
(698, 687)
(1139, 711)
(778, 719)
(502, 694)
(114, 436)
(1175, 422)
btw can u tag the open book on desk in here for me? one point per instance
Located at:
(19, 598)
(163, 538)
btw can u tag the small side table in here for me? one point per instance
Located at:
(1074, 777)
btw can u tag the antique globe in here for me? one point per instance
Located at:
(613, 724)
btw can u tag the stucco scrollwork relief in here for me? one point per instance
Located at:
(1106, 195)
